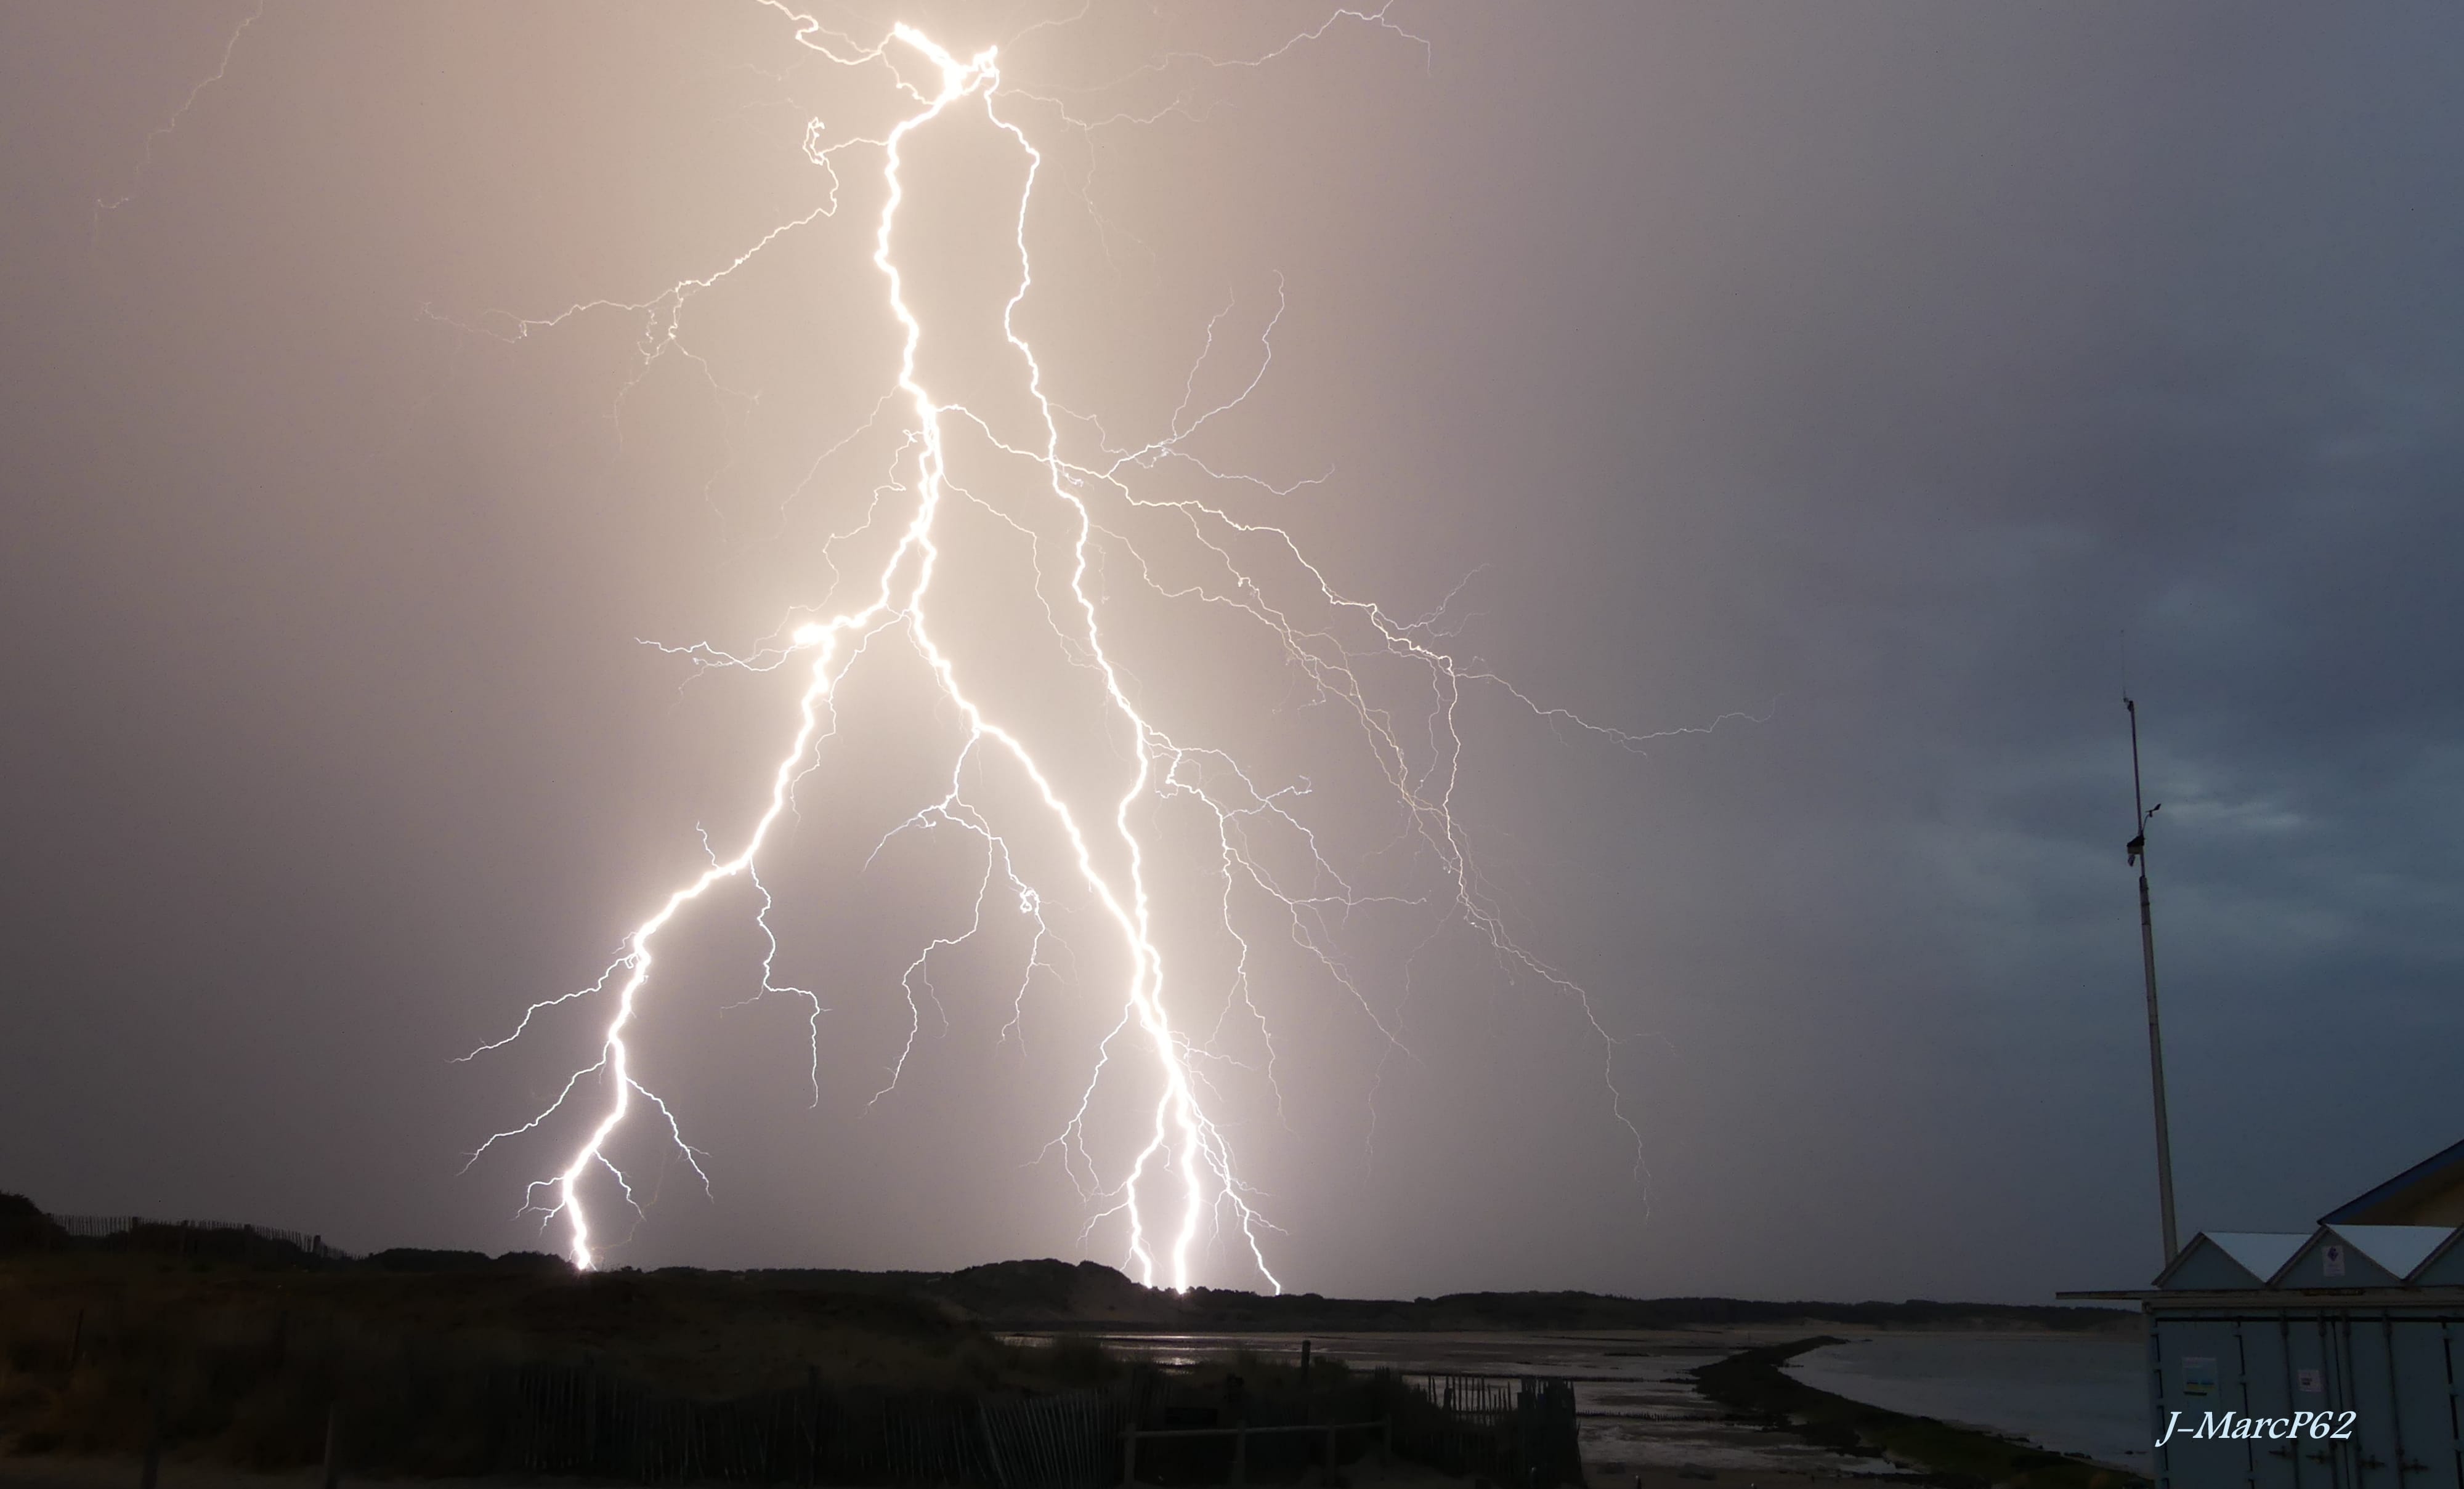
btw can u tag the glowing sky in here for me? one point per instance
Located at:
(1866, 369)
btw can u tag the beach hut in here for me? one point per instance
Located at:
(2331, 1358)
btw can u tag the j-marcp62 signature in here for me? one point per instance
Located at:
(2213, 1425)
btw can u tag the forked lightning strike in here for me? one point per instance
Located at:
(1184, 1140)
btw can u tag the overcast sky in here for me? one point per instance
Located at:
(1884, 382)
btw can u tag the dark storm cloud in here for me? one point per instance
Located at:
(1919, 369)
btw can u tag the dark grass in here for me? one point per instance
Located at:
(240, 1358)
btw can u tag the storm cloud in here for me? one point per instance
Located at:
(1887, 385)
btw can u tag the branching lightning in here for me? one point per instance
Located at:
(1185, 1171)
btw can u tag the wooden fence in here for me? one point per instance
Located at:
(576, 1421)
(1333, 1434)
(1519, 1432)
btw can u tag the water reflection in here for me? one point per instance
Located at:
(2087, 1396)
(1636, 1400)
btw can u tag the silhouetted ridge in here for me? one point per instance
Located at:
(1051, 1294)
(419, 1259)
(1046, 1293)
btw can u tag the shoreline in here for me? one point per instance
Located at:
(1752, 1384)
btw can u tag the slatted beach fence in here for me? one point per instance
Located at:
(1056, 1442)
(205, 1236)
(1519, 1429)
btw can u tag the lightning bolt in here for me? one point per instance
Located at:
(170, 125)
(1183, 1171)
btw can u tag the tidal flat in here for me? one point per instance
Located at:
(1643, 1419)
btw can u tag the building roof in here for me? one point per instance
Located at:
(2231, 1258)
(2263, 1252)
(2430, 1192)
(2401, 1249)
(2404, 1239)
(2333, 1258)
(2389, 1262)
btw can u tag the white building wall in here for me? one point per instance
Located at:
(2375, 1391)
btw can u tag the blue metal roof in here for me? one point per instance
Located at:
(2433, 1167)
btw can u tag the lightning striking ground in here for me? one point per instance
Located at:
(1184, 1169)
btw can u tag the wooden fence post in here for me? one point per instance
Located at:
(1128, 1458)
(813, 1425)
(333, 1445)
(1241, 1451)
(152, 1473)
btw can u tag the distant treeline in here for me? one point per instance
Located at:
(24, 1226)
(1572, 1310)
(1050, 1295)
(1087, 1295)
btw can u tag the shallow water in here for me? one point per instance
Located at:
(1634, 1398)
(2087, 1396)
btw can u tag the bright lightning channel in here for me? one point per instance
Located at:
(1183, 1139)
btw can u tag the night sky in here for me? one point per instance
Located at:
(1851, 398)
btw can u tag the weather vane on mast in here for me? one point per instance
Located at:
(2136, 853)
